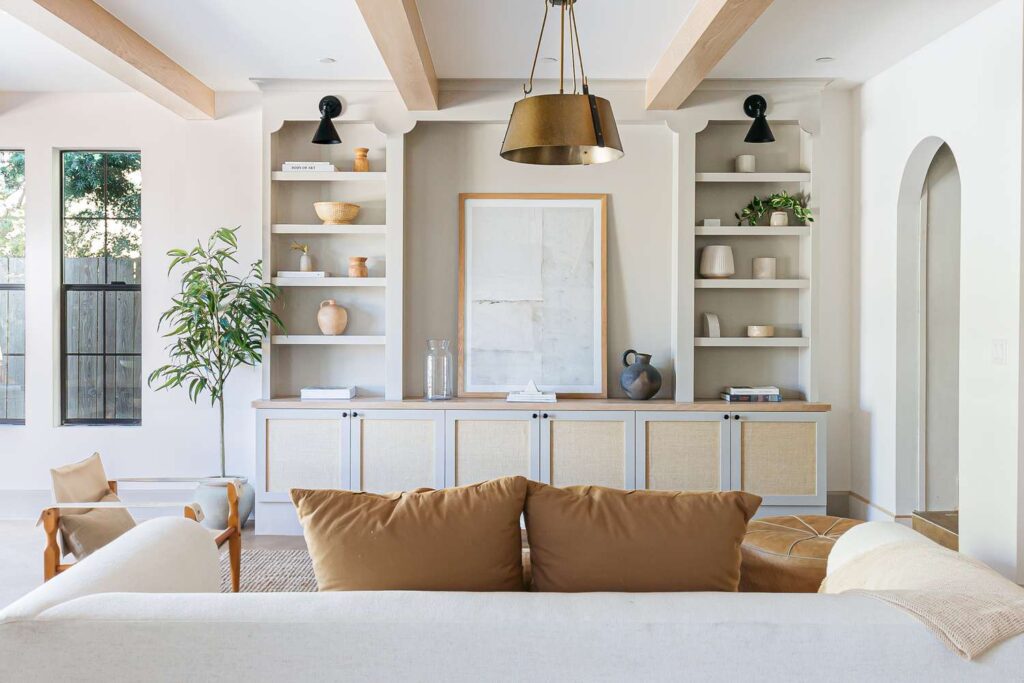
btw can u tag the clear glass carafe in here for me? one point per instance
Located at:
(439, 371)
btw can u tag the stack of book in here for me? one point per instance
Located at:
(302, 273)
(531, 394)
(297, 166)
(752, 395)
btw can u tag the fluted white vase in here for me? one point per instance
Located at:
(716, 262)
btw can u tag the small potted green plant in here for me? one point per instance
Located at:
(753, 212)
(217, 322)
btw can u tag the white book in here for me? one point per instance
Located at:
(327, 393)
(752, 391)
(302, 273)
(307, 166)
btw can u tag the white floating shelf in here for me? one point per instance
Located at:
(329, 340)
(753, 177)
(327, 176)
(318, 229)
(753, 342)
(752, 231)
(328, 281)
(750, 284)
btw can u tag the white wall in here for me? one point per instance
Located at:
(196, 176)
(965, 89)
(444, 159)
(942, 256)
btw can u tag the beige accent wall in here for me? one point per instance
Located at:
(444, 159)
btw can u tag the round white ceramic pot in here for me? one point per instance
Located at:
(212, 496)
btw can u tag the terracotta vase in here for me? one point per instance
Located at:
(357, 266)
(331, 317)
(361, 163)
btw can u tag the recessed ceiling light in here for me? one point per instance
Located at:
(327, 60)
(825, 60)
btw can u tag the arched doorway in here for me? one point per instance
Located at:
(928, 338)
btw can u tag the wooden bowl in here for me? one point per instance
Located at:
(336, 213)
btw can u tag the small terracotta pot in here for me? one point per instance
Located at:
(331, 317)
(357, 266)
(361, 163)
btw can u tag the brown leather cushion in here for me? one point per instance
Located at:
(590, 538)
(788, 554)
(457, 539)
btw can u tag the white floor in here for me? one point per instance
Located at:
(21, 559)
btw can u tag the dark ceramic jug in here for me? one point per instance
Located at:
(640, 380)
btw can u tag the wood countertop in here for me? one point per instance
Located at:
(710, 405)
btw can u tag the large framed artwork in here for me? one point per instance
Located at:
(533, 293)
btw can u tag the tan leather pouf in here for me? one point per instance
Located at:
(788, 554)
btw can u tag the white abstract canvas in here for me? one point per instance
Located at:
(532, 294)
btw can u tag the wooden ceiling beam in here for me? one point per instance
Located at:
(398, 32)
(102, 39)
(708, 33)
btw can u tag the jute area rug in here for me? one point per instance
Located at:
(271, 571)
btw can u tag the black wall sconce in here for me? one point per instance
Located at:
(755, 107)
(326, 134)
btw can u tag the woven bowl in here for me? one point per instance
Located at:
(336, 213)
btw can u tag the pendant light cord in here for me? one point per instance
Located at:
(574, 30)
(574, 50)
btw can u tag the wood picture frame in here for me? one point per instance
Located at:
(468, 384)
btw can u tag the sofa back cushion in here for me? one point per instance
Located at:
(591, 538)
(456, 539)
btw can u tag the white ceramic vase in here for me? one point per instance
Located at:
(716, 262)
(305, 263)
(763, 268)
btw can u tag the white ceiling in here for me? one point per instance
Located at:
(864, 36)
(29, 61)
(227, 42)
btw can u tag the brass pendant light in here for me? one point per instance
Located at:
(563, 129)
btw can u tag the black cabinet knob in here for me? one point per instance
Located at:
(735, 417)
(355, 414)
(725, 417)
(545, 416)
(344, 414)
(535, 416)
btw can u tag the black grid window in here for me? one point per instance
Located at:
(12, 287)
(101, 292)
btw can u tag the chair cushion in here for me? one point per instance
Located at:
(87, 530)
(591, 538)
(457, 539)
(789, 554)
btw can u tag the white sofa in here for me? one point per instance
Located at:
(147, 608)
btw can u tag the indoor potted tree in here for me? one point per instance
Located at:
(217, 322)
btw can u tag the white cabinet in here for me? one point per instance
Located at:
(778, 455)
(485, 444)
(396, 450)
(677, 451)
(588, 447)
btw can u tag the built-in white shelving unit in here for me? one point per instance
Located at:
(329, 281)
(742, 283)
(368, 354)
(327, 176)
(324, 340)
(770, 177)
(752, 231)
(753, 342)
(318, 229)
(786, 301)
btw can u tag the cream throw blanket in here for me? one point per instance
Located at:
(968, 605)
